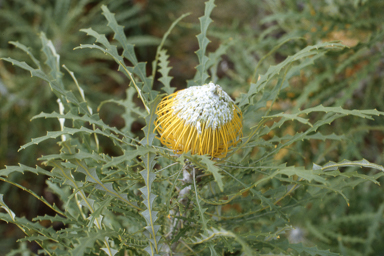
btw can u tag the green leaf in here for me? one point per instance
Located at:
(338, 110)
(56, 218)
(94, 119)
(335, 113)
(273, 72)
(139, 68)
(128, 50)
(201, 210)
(313, 251)
(23, 168)
(291, 117)
(316, 232)
(215, 57)
(112, 51)
(40, 198)
(6, 208)
(159, 48)
(201, 74)
(164, 70)
(66, 131)
(212, 168)
(53, 60)
(109, 251)
(91, 176)
(54, 78)
(308, 175)
(30, 227)
(27, 51)
(89, 241)
(315, 136)
(213, 233)
(127, 156)
(149, 128)
(319, 136)
(80, 155)
(149, 215)
(373, 229)
(34, 72)
(129, 109)
(330, 166)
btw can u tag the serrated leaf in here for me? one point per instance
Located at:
(292, 117)
(316, 232)
(34, 238)
(319, 136)
(94, 119)
(29, 226)
(127, 156)
(54, 78)
(27, 51)
(330, 166)
(53, 59)
(110, 252)
(112, 51)
(6, 208)
(327, 119)
(302, 172)
(139, 68)
(338, 110)
(55, 218)
(89, 241)
(129, 109)
(149, 249)
(164, 71)
(66, 131)
(149, 199)
(92, 177)
(212, 233)
(149, 120)
(149, 215)
(34, 72)
(373, 229)
(315, 136)
(201, 74)
(128, 50)
(40, 198)
(215, 57)
(274, 71)
(155, 230)
(314, 251)
(212, 168)
(148, 177)
(159, 48)
(81, 155)
(23, 168)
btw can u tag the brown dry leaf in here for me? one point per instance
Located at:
(348, 37)
(284, 151)
(350, 71)
(228, 207)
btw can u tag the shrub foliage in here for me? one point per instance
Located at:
(147, 200)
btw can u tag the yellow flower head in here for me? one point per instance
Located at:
(201, 119)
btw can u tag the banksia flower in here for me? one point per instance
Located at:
(201, 119)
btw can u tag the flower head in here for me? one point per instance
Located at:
(201, 119)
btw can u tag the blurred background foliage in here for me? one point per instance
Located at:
(248, 30)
